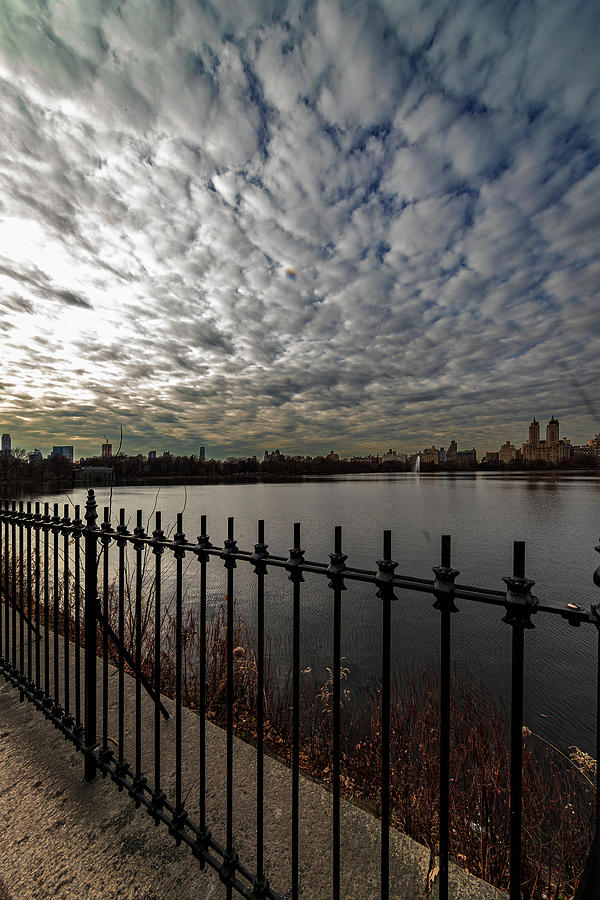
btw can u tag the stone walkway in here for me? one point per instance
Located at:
(63, 838)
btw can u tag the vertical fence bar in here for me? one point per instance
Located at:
(179, 554)
(9, 592)
(516, 735)
(260, 550)
(385, 725)
(9, 585)
(37, 520)
(336, 731)
(90, 629)
(13, 585)
(105, 538)
(589, 886)
(29, 517)
(297, 578)
(46, 528)
(138, 546)
(3, 597)
(66, 525)
(516, 757)
(6, 588)
(13, 541)
(336, 582)
(122, 535)
(158, 550)
(444, 733)
(203, 543)
(230, 564)
(56, 606)
(21, 601)
(203, 688)
(596, 881)
(78, 525)
(2, 585)
(443, 589)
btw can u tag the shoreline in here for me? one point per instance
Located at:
(270, 478)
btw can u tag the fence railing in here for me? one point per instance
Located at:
(51, 569)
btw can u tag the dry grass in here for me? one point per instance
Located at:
(558, 789)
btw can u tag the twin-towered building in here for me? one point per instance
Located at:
(552, 450)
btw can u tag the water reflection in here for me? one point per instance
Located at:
(557, 517)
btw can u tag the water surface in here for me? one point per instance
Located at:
(557, 515)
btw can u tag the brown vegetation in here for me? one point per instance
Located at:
(558, 788)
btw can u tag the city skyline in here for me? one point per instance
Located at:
(529, 432)
(310, 224)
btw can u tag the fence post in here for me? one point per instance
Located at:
(90, 624)
(589, 884)
(596, 614)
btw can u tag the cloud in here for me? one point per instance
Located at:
(429, 173)
(40, 286)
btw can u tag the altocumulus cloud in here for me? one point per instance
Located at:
(429, 172)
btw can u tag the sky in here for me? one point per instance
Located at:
(306, 225)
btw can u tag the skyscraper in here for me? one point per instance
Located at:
(6, 444)
(552, 431)
(550, 451)
(106, 451)
(67, 452)
(451, 451)
(534, 433)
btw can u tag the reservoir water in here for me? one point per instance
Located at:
(557, 515)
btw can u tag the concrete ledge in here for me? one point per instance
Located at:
(65, 838)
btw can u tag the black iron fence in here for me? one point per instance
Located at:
(44, 558)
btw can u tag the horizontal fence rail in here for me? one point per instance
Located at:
(55, 574)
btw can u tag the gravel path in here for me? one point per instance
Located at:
(65, 838)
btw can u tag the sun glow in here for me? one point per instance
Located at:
(24, 241)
